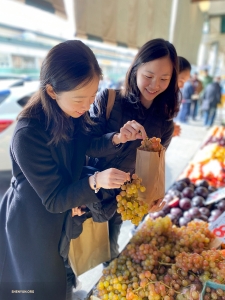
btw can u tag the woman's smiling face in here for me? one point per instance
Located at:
(153, 78)
(76, 102)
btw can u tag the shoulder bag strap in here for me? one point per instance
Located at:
(111, 101)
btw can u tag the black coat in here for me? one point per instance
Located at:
(122, 112)
(35, 209)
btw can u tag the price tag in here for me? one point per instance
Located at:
(215, 196)
(218, 227)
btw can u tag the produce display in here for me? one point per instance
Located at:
(209, 163)
(171, 256)
(163, 261)
(185, 201)
(128, 204)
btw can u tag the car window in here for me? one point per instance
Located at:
(23, 101)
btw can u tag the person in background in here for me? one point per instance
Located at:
(211, 98)
(187, 89)
(184, 75)
(206, 79)
(195, 99)
(147, 103)
(48, 152)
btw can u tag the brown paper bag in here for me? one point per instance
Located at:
(91, 248)
(150, 166)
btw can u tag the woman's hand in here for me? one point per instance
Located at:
(77, 211)
(109, 179)
(130, 131)
(177, 130)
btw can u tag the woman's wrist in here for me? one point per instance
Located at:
(116, 140)
(93, 182)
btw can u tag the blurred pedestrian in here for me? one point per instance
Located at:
(187, 89)
(206, 79)
(211, 98)
(195, 99)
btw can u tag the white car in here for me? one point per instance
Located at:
(12, 101)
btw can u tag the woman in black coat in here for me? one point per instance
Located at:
(147, 104)
(48, 152)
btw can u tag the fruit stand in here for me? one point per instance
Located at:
(174, 254)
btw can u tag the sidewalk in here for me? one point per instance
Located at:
(181, 150)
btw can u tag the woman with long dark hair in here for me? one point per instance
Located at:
(145, 107)
(48, 152)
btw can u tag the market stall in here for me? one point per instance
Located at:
(177, 253)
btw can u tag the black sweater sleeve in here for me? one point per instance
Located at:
(101, 144)
(33, 156)
(167, 133)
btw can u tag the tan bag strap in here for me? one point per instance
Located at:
(111, 101)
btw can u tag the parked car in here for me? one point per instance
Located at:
(11, 103)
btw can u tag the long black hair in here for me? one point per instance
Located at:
(165, 103)
(183, 64)
(68, 65)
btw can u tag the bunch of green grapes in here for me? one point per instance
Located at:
(128, 204)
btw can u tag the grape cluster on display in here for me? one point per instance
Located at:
(163, 261)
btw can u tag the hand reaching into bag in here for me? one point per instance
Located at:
(130, 131)
(109, 179)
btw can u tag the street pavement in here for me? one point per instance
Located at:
(181, 150)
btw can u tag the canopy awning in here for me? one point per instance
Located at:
(56, 7)
(122, 22)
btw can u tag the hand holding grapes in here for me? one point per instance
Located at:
(131, 131)
(109, 179)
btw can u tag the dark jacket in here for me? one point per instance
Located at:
(122, 112)
(187, 91)
(36, 209)
(211, 96)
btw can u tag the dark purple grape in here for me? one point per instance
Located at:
(176, 193)
(204, 211)
(201, 191)
(194, 212)
(176, 211)
(211, 189)
(202, 182)
(221, 205)
(188, 192)
(204, 218)
(180, 185)
(168, 197)
(172, 217)
(186, 180)
(197, 201)
(158, 214)
(185, 203)
(166, 209)
(183, 221)
(192, 186)
(187, 215)
(216, 212)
